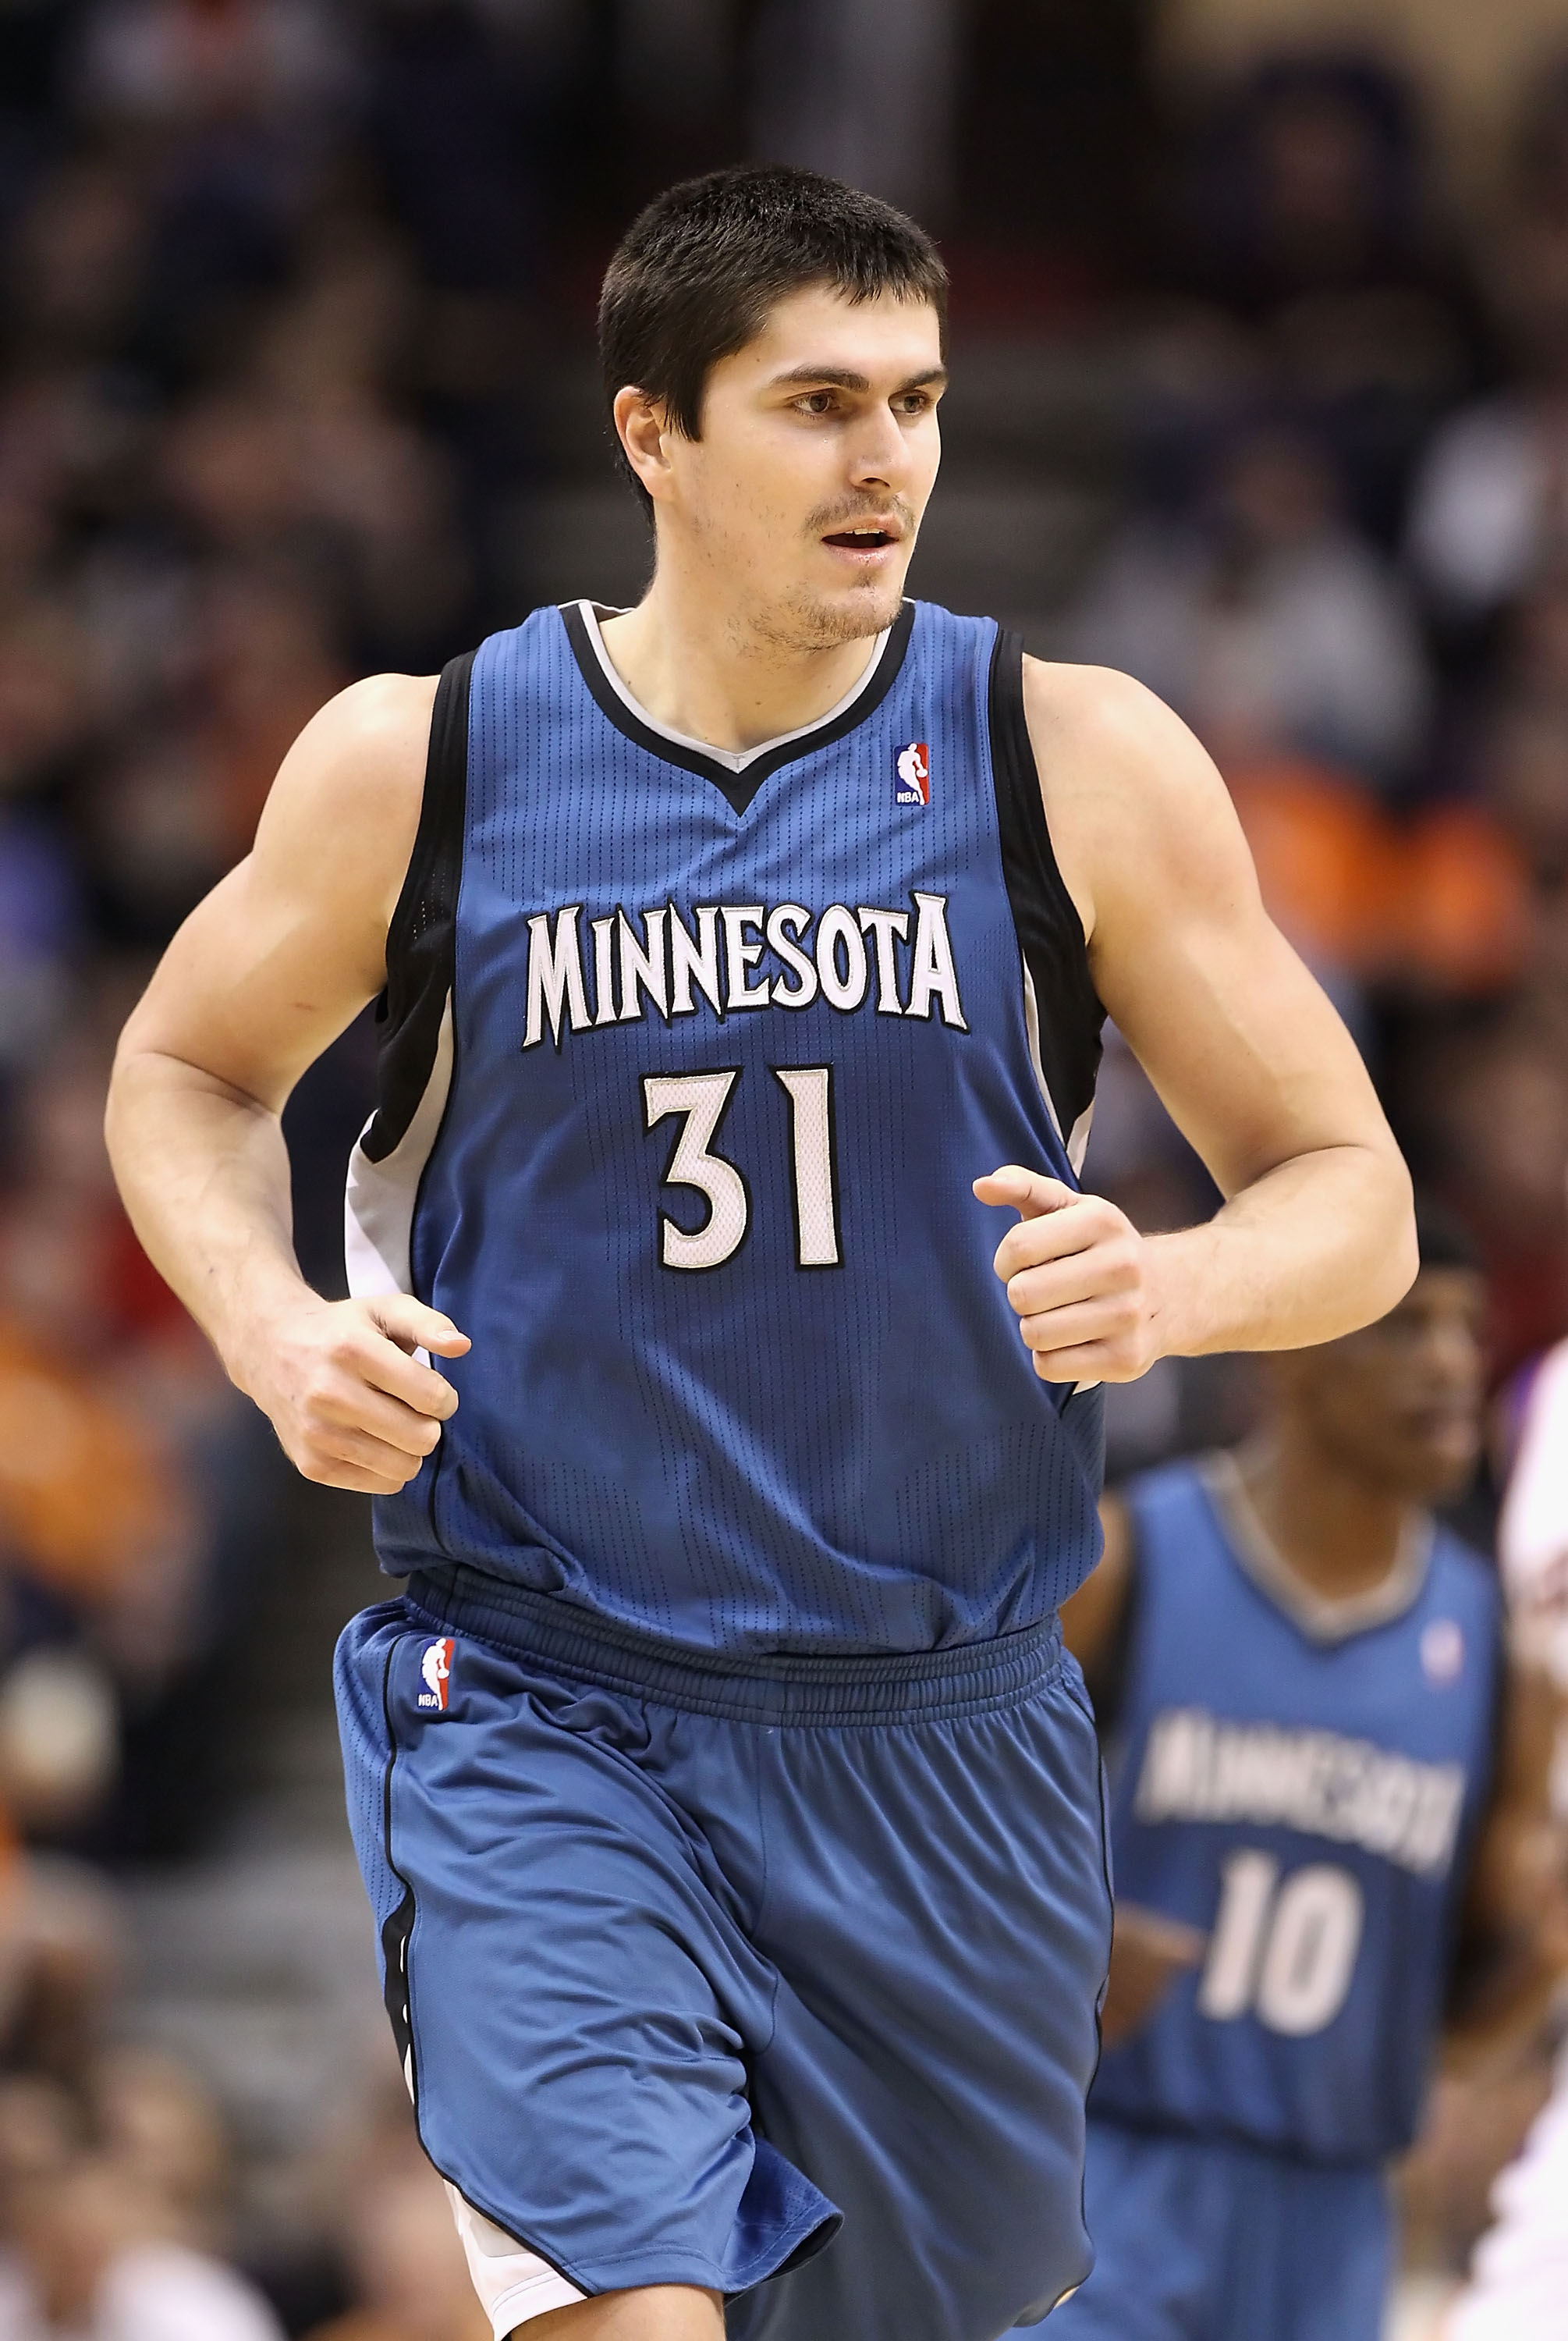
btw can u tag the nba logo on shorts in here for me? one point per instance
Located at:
(912, 782)
(435, 1673)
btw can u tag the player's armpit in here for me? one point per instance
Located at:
(1243, 1046)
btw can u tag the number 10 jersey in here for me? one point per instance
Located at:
(1302, 1782)
(687, 1063)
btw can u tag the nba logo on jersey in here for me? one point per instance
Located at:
(912, 779)
(1441, 1652)
(435, 1673)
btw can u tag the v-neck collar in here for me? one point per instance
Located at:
(1324, 1618)
(737, 787)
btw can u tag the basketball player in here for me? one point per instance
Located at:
(1302, 1678)
(731, 1814)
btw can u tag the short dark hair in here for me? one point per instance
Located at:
(697, 273)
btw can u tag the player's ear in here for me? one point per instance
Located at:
(643, 427)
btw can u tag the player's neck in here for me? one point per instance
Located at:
(699, 670)
(1342, 1535)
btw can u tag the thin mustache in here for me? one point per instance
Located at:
(844, 514)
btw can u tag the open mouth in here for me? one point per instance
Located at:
(862, 539)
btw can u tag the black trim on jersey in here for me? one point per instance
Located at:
(737, 788)
(1049, 931)
(421, 938)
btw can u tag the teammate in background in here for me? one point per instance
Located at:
(738, 1861)
(1327, 1803)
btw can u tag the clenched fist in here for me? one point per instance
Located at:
(350, 1403)
(1080, 1277)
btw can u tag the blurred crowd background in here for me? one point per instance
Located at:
(1261, 339)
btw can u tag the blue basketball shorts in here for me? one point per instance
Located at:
(784, 1984)
(1200, 2239)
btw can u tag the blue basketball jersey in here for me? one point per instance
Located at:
(1303, 1788)
(688, 1063)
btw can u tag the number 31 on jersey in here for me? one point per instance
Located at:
(702, 1100)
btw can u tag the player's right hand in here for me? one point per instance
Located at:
(350, 1403)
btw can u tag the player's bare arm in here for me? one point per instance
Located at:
(1315, 1236)
(262, 976)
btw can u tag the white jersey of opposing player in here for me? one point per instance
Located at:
(1518, 2288)
(1533, 1535)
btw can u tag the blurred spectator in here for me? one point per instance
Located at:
(1523, 777)
(448, 107)
(300, 455)
(409, 2277)
(1486, 1110)
(113, 2192)
(135, 1503)
(164, 823)
(1304, 211)
(1435, 903)
(223, 106)
(1263, 619)
(61, 1940)
(91, 2261)
(368, 2233)
(673, 56)
(153, 2119)
(1490, 508)
(813, 63)
(182, 63)
(1307, 181)
(77, 262)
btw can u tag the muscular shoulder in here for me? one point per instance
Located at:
(364, 750)
(288, 947)
(1134, 802)
(345, 805)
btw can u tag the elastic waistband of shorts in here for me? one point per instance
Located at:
(777, 1687)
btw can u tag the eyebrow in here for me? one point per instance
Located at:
(841, 378)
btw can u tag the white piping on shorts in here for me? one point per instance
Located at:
(514, 2284)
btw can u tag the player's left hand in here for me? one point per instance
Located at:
(1149, 1951)
(1080, 1277)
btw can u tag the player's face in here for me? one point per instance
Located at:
(1401, 1400)
(819, 450)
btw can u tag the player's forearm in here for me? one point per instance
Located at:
(204, 1174)
(1314, 1249)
